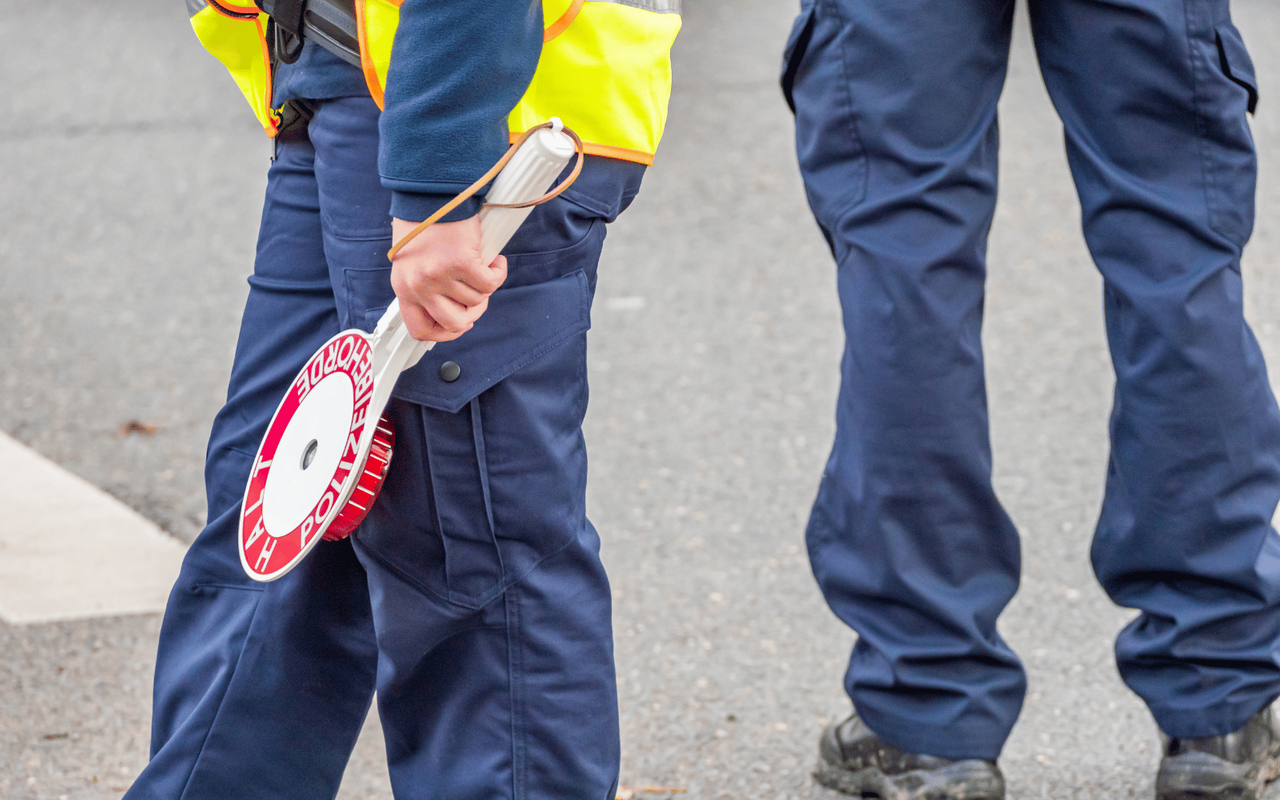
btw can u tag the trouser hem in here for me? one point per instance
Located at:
(1218, 720)
(947, 741)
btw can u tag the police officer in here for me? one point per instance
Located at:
(472, 598)
(895, 107)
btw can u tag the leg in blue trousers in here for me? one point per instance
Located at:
(472, 599)
(908, 542)
(1165, 174)
(896, 136)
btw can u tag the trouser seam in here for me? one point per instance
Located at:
(1197, 102)
(515, 643)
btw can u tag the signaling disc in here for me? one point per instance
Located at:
(312, 458)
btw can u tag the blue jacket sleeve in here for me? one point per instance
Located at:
(457, 69)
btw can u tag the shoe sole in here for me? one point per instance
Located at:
(1197, 776)
(963, 780)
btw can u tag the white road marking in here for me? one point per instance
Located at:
(69, 550)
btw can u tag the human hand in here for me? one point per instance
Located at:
(439, 281)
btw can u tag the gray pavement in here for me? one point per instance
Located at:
(130, 176)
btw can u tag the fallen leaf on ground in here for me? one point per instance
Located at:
(133, 426)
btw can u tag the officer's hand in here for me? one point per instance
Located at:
(439, 280)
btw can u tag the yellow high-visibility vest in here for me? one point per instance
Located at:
(605, 67)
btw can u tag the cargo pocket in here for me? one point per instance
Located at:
(497, 487)
(487, 479)
(1230, 161)
(814, 83)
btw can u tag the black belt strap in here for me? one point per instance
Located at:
(329, 23)
(332, 25)
(286, 13)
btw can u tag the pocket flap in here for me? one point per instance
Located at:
(521, 324)
(1236, 62)
(793, 53)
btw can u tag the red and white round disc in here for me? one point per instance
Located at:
(314, 455)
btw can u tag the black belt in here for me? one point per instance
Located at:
(329, 23)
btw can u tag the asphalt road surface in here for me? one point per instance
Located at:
(130, 185)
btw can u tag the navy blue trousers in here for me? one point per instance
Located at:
(896, 133)
(472, 598)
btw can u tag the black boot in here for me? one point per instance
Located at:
(1231, 767)
(855, 761)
